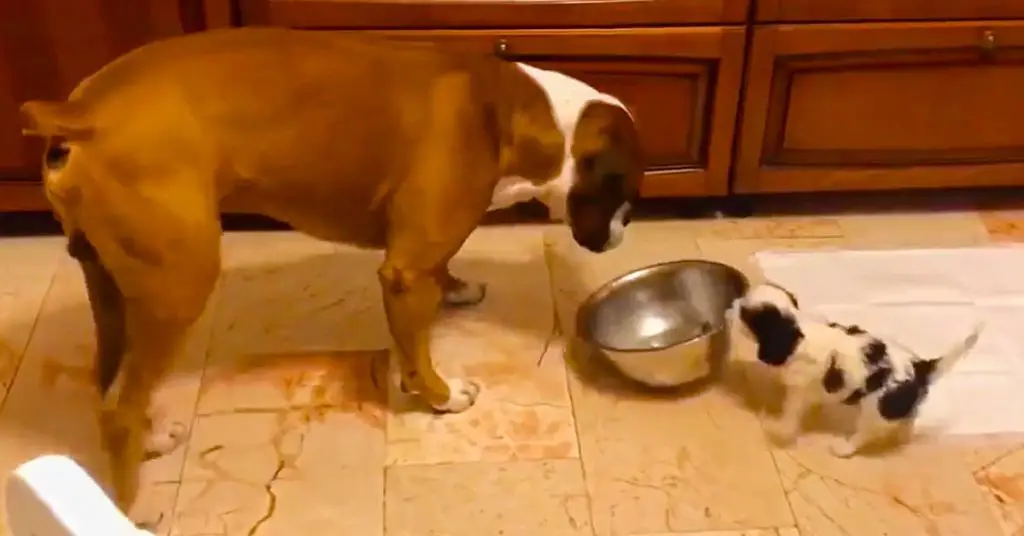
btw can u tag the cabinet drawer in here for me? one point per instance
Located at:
(681, 84)
(489, 13)
(885, 10)
(880, 106)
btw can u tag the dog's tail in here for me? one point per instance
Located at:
(944, 363)
(69, 119)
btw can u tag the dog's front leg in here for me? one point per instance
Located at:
(787, 426)
(412, 299)
(459, 293)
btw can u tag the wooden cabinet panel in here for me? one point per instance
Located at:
(48, 46)
(885, 10)
(489, 13)
(881, 106)
(682, 85)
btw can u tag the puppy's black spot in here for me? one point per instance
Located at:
(833, 381)
(876, 380)
(852, 329)
(902, 400)
(855, 397)
(923, 370)
(777, 334)
(56, 156)
(875, 351)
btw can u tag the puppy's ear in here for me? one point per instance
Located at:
(777, 334)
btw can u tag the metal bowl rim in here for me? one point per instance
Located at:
(601, 292)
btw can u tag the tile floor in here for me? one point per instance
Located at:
(291, 433)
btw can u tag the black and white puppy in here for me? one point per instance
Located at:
(820, 361)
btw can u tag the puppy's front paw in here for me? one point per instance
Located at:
(780, 433)
(843, 448)
(164, 438)
(462, 395)
(465, 294)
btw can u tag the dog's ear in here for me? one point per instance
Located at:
(777, 334)
(69, 120)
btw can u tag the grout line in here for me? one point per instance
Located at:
(558, 332)
(213, 310)
(31, 334)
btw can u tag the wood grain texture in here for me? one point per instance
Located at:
(681, 84)
(48, 46)
(885, 10)
(510, 14)
(880, 106)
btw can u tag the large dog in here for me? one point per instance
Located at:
(352, 139)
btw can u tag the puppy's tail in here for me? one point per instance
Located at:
(70, 119)
(946, 361)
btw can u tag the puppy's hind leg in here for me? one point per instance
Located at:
(870, 428)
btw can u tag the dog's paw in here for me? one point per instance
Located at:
(465, 294)
(462, 396)
(165, 438)
(779, 433)
(843, 448)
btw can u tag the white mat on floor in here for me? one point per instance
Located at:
(927, 300)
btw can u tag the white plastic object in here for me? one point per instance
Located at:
(53, 496)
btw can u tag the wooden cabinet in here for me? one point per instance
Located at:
(47, 47)
(509, 14)
(882, 106)
(885, 10)
(682, 85)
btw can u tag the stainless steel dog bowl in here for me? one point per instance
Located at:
(663, 325)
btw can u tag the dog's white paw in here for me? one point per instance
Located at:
(462, 396)
(780, 433)
(843, 448)
(466, 294)
(165, 437)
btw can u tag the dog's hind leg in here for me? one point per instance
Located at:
(107, 304)
(166, 271)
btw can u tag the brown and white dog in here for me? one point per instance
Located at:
(351, 139)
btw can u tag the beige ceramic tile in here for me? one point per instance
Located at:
(774, 227)
(1001, 479)
(298, 449)
(741, 253)
(914, 230)
(52, 405)
(27, 266)
(917, 490)
(674, 463)
(659, 464)
(528, 498)
(508, 344)
(754, 532)
(285, 292)
(290, 431)
(1004, 225)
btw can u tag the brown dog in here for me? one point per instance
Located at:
(350, 139)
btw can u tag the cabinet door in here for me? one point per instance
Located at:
(489, 13)
(48, 46)
(885, 10)
(883, 106)
(682, 85)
